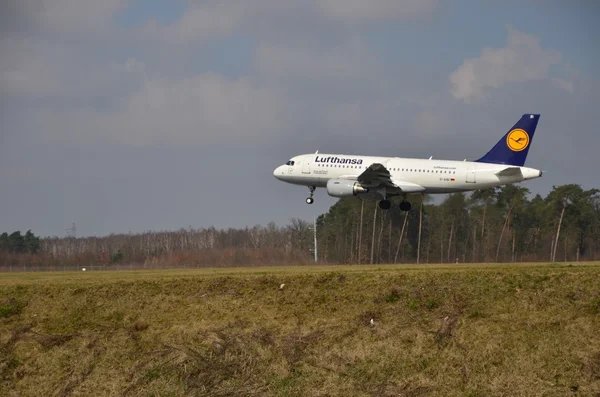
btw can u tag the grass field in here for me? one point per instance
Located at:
(455, 330)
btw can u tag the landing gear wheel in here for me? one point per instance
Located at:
(310, 199)
(405, 206)
(385, 204)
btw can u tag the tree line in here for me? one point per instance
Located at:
(17, 243)
(491, 225)
(258, 245)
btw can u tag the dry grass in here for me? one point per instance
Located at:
(499, 330)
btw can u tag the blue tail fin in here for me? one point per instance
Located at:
(512, 149)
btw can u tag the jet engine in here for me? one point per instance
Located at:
(344, 188)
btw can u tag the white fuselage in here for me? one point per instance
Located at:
(428, 175)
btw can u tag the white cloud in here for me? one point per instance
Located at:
(360, 11)
(25, 68)
(428, 122)
(206, 108)
(37, 68)
(201, 21)
(349, 63)
(566, 85)
(204, 20)
(103, 95)
(357, 117)
(67, 16)
(523, 59)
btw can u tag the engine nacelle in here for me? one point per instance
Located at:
(344, 188)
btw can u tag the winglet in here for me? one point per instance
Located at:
(512, 149)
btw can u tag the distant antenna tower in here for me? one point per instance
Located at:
(72, 231)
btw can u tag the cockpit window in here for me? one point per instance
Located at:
(290, 162)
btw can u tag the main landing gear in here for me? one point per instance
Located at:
(386, 205)
(310, 200)
(405, 205)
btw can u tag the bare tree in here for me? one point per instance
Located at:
(374, 228)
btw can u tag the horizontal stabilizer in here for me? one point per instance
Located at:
(510, 171)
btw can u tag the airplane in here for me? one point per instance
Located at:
(382, 178)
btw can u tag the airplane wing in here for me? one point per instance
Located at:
(377, 175)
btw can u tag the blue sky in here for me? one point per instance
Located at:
(150, 115)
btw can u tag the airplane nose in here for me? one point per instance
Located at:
(277, 172)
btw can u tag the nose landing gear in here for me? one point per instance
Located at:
(310, 199)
